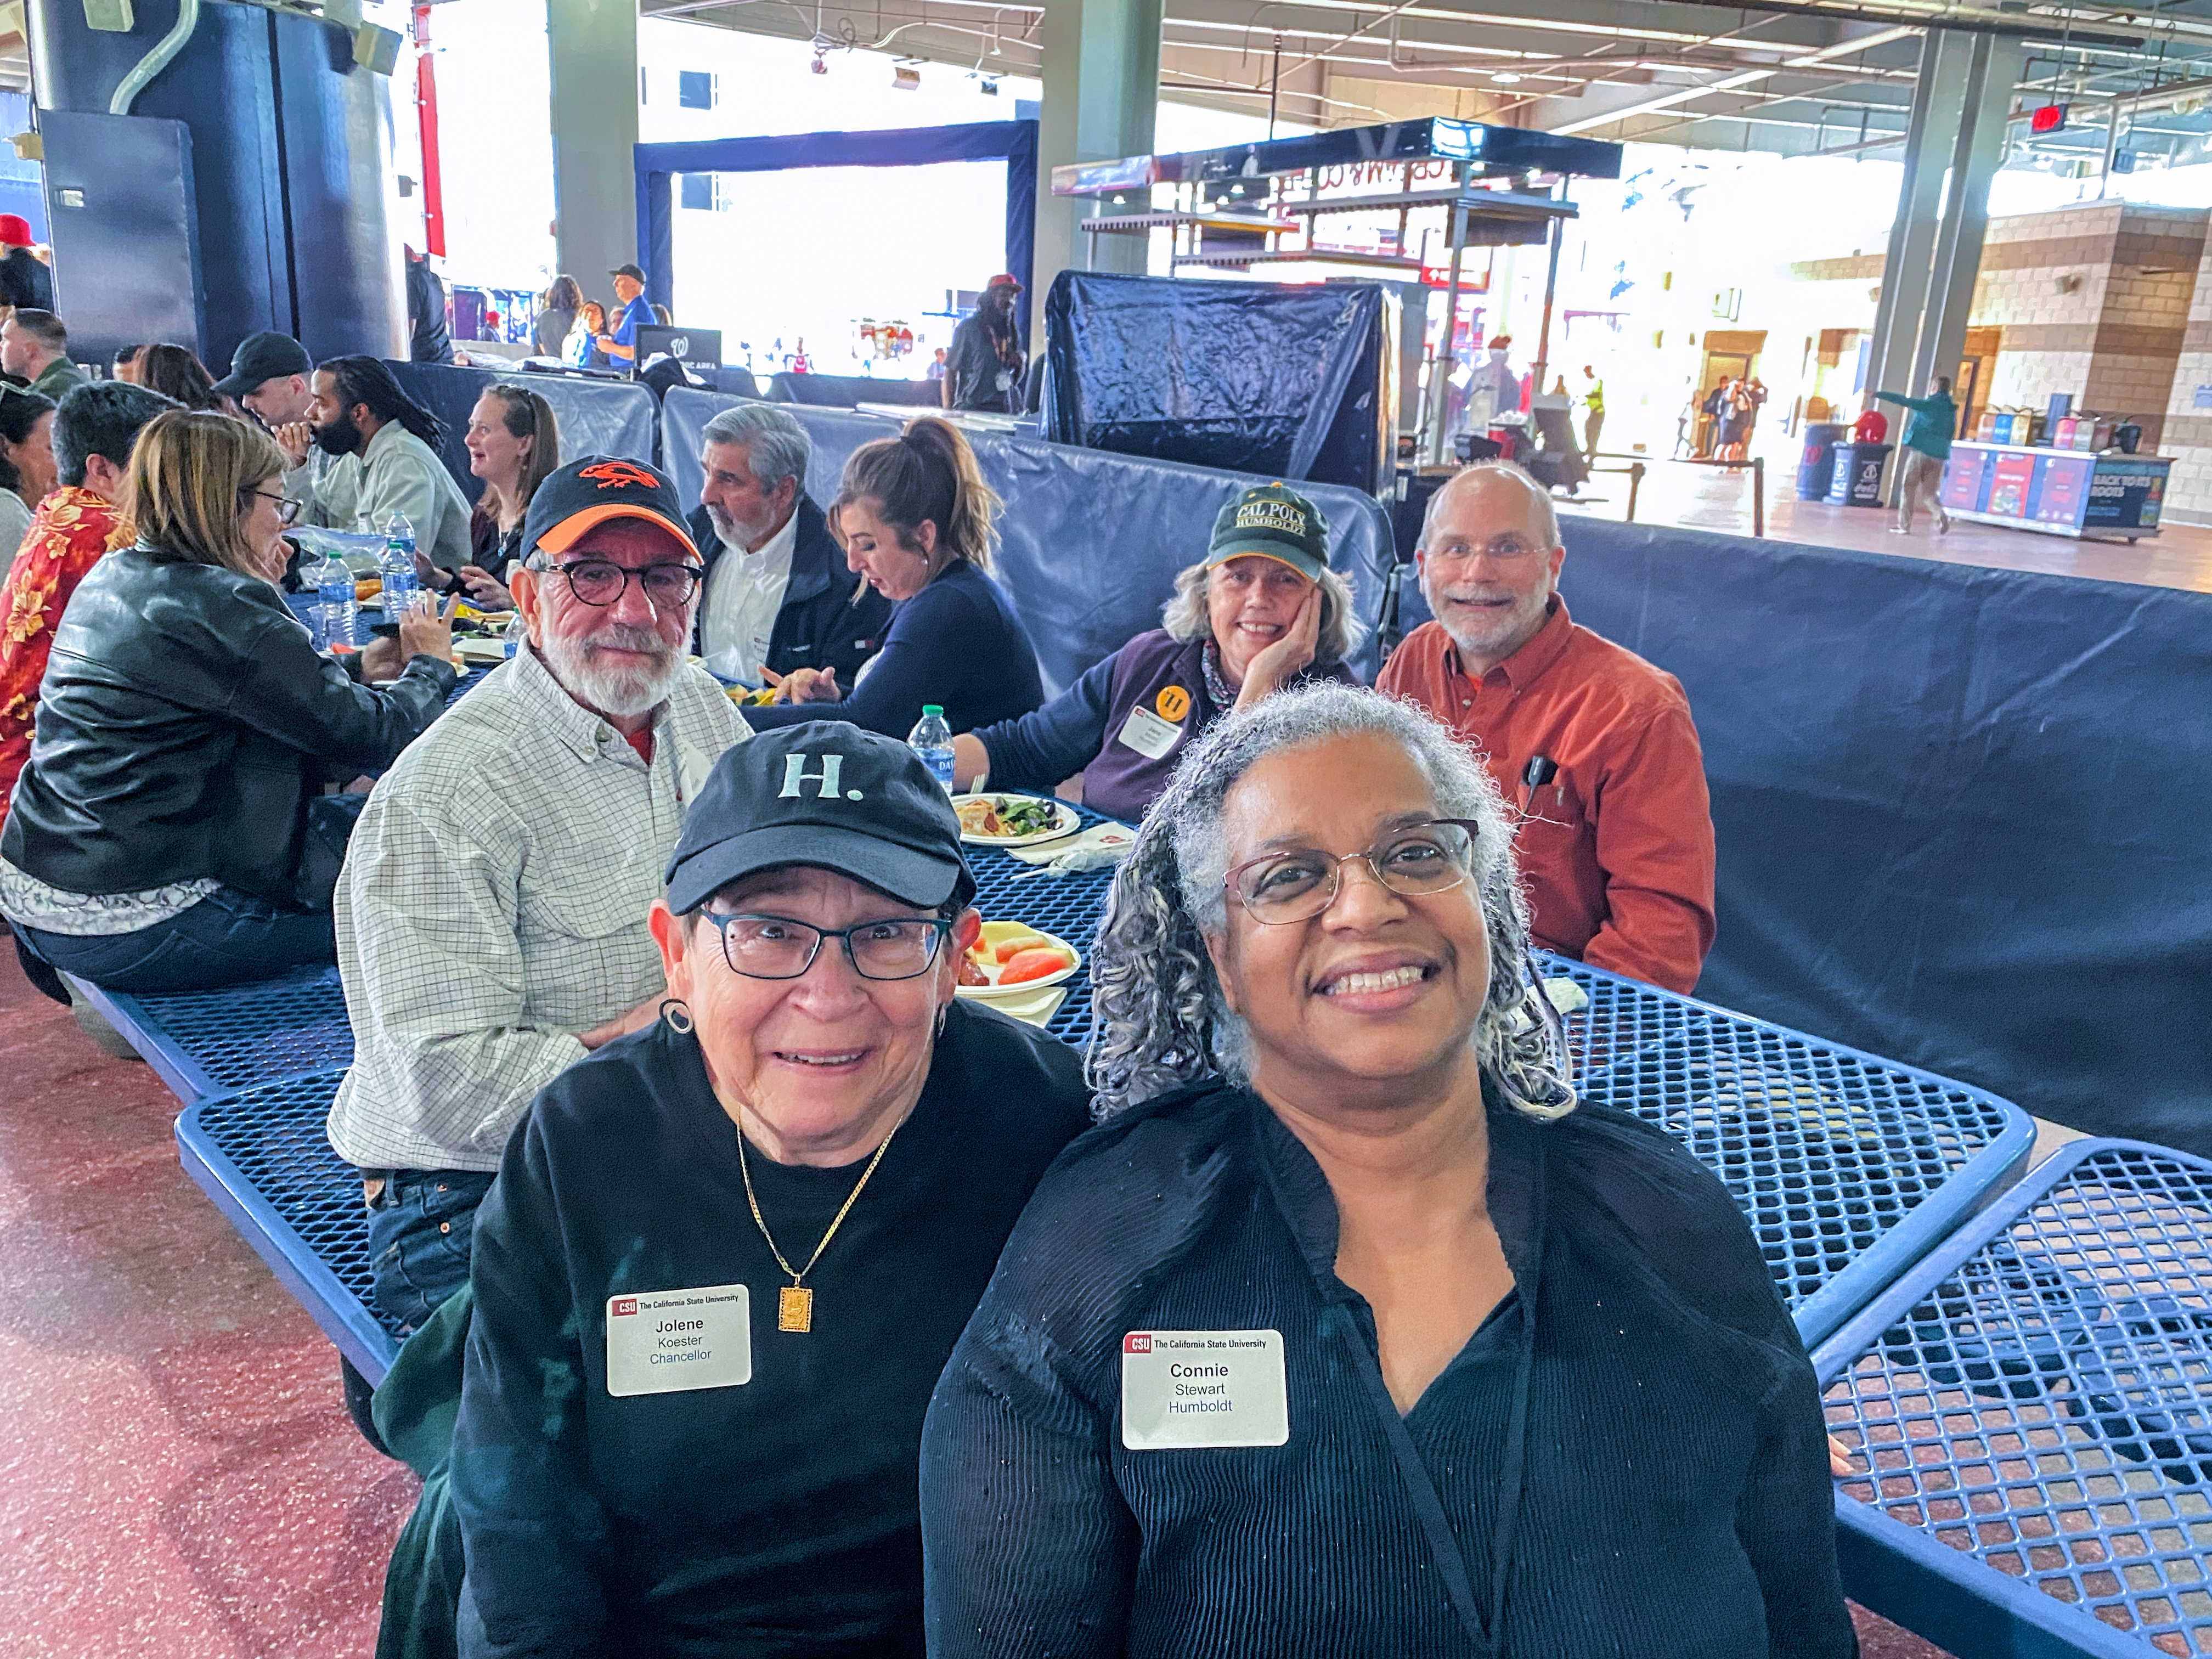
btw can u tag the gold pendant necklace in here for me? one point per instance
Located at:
(794, 1303)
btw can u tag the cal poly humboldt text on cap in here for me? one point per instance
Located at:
(1274, 522)
(829, 794)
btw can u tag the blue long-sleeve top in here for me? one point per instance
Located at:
(1085, 728)
(957, 643)
(1627, 1461)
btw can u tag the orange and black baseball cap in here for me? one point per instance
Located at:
(595, 489)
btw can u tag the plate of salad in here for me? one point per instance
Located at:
(992, 820)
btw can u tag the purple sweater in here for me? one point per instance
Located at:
(1113, 725)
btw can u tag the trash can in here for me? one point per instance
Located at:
(1816, 466)
(1856, 479)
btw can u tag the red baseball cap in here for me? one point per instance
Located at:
(1002, 280)
(15, 230)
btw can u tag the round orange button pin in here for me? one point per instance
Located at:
(1173, 702)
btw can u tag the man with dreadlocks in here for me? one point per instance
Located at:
(384, 451)
(986, 368)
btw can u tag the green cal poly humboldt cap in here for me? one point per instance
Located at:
(1275, 522)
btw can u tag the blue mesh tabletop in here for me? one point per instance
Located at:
(209, 1042)
(263, 1155)
(2035, 1402)
(1849, 1167)
(1006, 889)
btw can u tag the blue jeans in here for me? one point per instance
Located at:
(421, 1223)
(228, 939)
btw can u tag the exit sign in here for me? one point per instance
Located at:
(2052, 117)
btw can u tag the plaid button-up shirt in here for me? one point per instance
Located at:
(493, 906)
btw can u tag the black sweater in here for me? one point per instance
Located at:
(1653, 1485)
(776, 1517)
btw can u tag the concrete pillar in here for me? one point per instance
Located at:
(1975, 154)
(1102, 90)
(1938, 111)
(593, 48)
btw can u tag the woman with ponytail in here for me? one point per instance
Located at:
(915, 520)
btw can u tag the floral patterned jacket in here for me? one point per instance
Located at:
(71, 529)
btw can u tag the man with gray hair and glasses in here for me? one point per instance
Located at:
(491, 916)
(778, 594)
(1592, 746)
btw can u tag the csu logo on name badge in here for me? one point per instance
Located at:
(824, 781)
(1137, 1342)
(625, 1304)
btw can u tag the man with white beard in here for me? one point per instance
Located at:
(1594, 747)
(491, 917)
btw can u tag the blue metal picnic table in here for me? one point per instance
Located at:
(2033, 1405)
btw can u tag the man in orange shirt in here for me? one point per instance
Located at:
(1592, 744)
(93, 431)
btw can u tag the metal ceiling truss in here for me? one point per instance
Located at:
(1658, 71)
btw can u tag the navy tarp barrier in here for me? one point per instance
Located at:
(1090, 543)
(1964, 816)
(596, 417)
(1250, 377)
(849, 390)
(658, 164)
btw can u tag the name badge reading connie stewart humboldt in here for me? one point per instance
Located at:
(1193, 1388)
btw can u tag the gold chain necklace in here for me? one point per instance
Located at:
(794, 1303)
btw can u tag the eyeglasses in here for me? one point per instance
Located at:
(776, 947)
(602, 581)
(1299, 884)
(1506, 546)
(288, 510)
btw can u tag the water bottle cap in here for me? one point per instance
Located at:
(930, 709)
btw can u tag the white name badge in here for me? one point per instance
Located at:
(1203, 1388)
(1148, 734)
(670, 1341)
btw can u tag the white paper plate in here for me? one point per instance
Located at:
(1067, 822)
(986, 993)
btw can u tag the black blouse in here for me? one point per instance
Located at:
(1627, 1458)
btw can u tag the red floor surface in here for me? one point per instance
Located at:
(178, 1476)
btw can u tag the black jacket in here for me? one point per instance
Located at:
(821, 624)
(183, 723)
(429, 341)
(25, 282)
(1627, 1461)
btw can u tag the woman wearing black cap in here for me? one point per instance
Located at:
(915, 518)
(727, 1257)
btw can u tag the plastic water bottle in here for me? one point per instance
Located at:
(335, 611)
(396, 564)
(931, 739)
(517, 632)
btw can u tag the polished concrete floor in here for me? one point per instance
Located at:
(178, 1477)
(1715, 498)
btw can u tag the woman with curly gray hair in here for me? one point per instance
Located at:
(1349, 1331)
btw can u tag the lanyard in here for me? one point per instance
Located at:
(1444, 1545)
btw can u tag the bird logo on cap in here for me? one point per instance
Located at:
(616, 475)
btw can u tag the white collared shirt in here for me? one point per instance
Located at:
(494, 904)
(746, 591)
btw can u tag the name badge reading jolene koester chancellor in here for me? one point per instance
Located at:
(668, 1342)
(1188, 1388)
